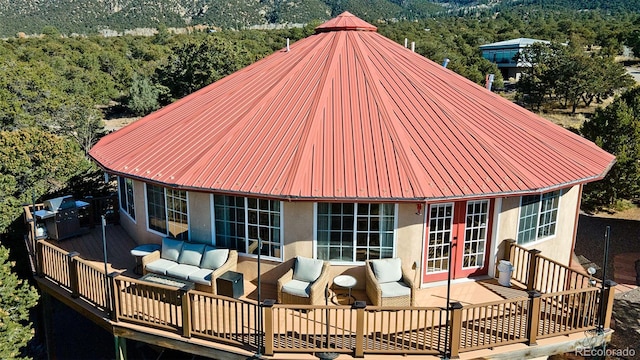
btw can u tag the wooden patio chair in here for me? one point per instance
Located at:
(389, 284)
(304, 283)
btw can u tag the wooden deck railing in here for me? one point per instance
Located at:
(543, 274)
(356, 330)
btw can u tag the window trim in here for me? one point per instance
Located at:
(166, 212)
(246, 227)
(538, 240)
(123, 210)
(355, 213)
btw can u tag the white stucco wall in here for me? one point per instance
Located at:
(298, 233)
(558, 247)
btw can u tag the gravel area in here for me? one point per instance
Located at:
(624, 239)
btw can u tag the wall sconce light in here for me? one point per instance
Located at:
(418, 209)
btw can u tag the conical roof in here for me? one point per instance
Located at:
(349, 114)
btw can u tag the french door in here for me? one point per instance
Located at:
(460, 231)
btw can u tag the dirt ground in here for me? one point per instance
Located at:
(625, 243)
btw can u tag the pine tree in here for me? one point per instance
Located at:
(16, 298)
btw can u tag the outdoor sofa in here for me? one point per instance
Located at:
(198, 263)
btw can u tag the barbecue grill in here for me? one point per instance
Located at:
(60, 217)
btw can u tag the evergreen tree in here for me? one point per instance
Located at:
(616, 129)
(16, 298)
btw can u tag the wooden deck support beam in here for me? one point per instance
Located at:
(121, 347)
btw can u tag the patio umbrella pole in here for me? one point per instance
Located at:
(259, 317)
(106, 272)
(326, 355)
(446, 334)
(607, 233)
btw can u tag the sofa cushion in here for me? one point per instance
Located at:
(191, 254)
(307, 270)
(387, 270)
(213, 258)
(182, 271)
(160, 266)
(394, 289)
(202, 276)
(171, 249)
(297, 288)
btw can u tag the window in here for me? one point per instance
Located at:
(167, 212)
(125, 186)
(240, 222)
(538, 216)
(355, 232)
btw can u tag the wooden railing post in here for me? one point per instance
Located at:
(113, 304)
(606, 307)
(185, 298)
(73, 273)
(532, 275)
(267, 305)
(508, 244)
(533, 319)
(40, 258)
(359, 306)
(455, 330)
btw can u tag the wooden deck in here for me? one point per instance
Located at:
(487, 319)
(119, 244)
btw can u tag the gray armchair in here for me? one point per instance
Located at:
(389, 284)
(304, 283)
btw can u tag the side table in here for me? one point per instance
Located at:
(346, 282)
(139, 252)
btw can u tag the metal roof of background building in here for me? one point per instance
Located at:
(349, 114)
(512, 44)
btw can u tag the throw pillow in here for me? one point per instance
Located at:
(387, 270)
(307, 270)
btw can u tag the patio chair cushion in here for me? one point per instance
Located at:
(387, 270)
(191, 254)
(202, 276)
(171, 249)
(297, 288)
(213, 258)
(160, 266)
(395, 289)
(182, 271)
(307, 270)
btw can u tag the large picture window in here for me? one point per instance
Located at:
(240, 222)
(352, 232)
(538, 216)
(125, 187)
(167, 211)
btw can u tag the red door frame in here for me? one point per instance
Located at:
(458, 231)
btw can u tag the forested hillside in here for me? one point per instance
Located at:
(89, 17)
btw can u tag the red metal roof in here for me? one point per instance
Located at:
(350, 114)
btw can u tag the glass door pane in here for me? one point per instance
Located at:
(440, 227)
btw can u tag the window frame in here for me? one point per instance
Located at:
(246, 225)
(539, 212)
(354, 262)
(122, 180)
(166, 211)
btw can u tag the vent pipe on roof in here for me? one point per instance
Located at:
(288, 45)
(445, 62)
(413, 46)
(406, 44)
